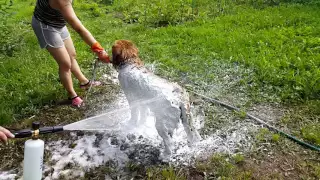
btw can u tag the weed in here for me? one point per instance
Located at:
(222, 167)
(166, 172)
(275, 138)
(238, 158)
(263, 135)
(311, 132)
(170, 174)
(241, 114)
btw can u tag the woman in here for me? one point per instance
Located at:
(5, 134)
(49, 24)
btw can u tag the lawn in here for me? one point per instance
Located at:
(278, 40)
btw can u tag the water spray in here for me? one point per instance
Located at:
(34, 147)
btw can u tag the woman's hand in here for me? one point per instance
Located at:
(5, 134)
(103, 56)
(100, 52)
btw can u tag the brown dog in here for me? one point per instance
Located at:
(125, 52)
(145, 91)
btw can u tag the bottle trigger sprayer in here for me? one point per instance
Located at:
(34, 149)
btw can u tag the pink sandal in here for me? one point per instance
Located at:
(76, 101)
(90, 83)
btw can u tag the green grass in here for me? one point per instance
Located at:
(280, 42)
(284, 55)
(224, 167)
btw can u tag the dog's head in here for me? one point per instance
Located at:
(125, 52)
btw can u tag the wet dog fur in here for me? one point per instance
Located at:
(172, 101)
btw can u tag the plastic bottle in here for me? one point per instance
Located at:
(33, 156)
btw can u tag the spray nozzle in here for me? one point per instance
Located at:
(35, 125)
(36, 131)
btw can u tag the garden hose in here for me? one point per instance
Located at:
(94, 68)
(270, 127)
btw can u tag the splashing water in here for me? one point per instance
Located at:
(119, 143)
(140, 144)
(111, 120)
(226, 140)
(115, 140)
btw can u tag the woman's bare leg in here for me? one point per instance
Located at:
(75, 69)
(63, 59)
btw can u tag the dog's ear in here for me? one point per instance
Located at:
(116, 54)
(124, 51)
(129, 50)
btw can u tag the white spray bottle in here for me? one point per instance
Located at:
(34, 149)
(33, 155)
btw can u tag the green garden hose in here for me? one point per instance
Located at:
(94, 68)
(270, 127)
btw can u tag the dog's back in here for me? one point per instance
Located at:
(139, 84)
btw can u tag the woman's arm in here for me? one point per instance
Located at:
(66, 9)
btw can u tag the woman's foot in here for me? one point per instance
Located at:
(90, 83)
(76, 101)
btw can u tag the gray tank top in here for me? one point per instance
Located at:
(47, 15)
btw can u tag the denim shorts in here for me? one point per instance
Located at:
(49, 36)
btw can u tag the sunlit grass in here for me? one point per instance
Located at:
(281, 43)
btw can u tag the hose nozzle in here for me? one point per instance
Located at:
(36, 131)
